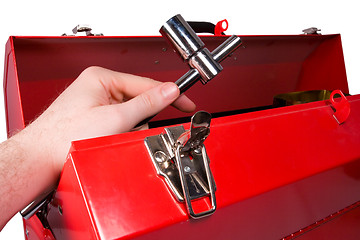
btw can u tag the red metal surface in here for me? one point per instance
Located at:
(34, 230)
(298, 156)
(339, 225)
(12, 97)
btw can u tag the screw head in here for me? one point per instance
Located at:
(187, 169)
(160, 156)
(197, 150)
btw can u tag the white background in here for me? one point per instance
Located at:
(52, 18)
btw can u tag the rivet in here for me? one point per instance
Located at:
(160, 156)
(187, 169)
(197, 150)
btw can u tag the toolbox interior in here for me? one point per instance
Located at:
(263, 67)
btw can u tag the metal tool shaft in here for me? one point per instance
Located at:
(189, 46)
(204, 65)
(219, 54)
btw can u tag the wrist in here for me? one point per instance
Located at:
(37, 162)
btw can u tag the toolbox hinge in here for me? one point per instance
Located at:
(180, 157)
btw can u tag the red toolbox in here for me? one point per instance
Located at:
(280, 172)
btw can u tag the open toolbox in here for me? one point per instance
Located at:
(278, 171)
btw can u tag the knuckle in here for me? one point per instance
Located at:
(149, 79)
(151, 82)
(147, 100)
(92, 70)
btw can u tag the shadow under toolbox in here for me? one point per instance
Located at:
(276, 172)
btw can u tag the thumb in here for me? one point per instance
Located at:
(145, 105)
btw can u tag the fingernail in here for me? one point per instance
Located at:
(169, 90)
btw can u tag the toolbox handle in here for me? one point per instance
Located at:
(208, 27)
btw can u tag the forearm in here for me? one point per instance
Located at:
(99, 102)
(22, 175)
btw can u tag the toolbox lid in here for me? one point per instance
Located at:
(39, 68)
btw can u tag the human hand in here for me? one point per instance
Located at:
(102, 102)
(99, 102)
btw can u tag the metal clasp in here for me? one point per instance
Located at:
(312, 30)
(83, 28)
(180, 157)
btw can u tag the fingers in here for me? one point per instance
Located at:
(149, 103)
(117, 87)
(183, 103)
(119, 100)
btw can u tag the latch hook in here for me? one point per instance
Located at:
(199, 131)
(180, 157)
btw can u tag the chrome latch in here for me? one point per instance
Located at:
(180, 157)
(312, 30)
